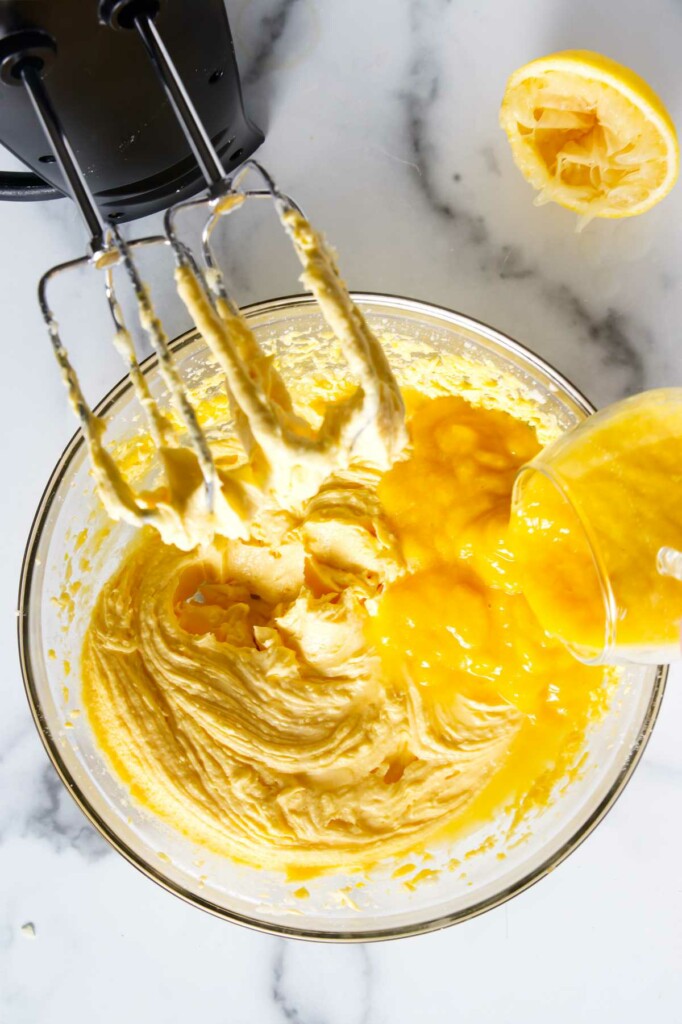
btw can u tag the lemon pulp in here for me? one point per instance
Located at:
(590, 135)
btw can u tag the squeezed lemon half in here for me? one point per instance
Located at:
(590, 134)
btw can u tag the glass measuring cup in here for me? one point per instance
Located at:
(596, 529)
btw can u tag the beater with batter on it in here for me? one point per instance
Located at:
(285, 455)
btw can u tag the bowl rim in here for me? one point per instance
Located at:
(370, 299)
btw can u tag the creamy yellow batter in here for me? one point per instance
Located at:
(286, 459)
(352, 679)
(334, 664)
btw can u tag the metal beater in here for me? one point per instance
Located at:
(254, 400)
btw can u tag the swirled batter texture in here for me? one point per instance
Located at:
(359, 674)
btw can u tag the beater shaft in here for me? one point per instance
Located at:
(46, 114)
(185, 111)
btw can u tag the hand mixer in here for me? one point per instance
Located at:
(262, 408)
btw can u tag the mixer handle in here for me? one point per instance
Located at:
(26, 187)
(21, 45)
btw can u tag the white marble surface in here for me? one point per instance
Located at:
(381, 118)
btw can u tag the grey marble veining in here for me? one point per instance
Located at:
(381, 121)
(270, 30)
(607, 334)
(347, 969)
(55, 819)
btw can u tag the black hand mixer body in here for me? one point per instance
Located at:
(105, 98)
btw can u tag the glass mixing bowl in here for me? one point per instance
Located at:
(70, 536)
